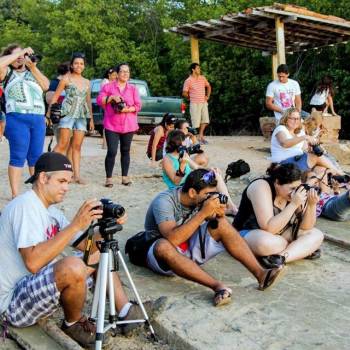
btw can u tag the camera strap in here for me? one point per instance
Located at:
(88, 245)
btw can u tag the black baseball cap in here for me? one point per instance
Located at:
(50, 161)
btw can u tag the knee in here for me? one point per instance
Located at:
(317, 235)
(276, 245)
(164, 249)
(76, 147)
(71, 269)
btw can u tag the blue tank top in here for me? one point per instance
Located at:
(176, 167)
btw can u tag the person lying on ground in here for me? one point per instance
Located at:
(277, 215)
(158, 137)
(34, 280)
(191, 228)
(290, 144)
(332, 204)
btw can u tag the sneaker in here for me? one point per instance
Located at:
(83, 332)
(153, 308)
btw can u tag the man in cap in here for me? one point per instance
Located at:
(33, 281)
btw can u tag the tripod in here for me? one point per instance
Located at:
(110, 256)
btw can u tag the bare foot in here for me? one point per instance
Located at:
(79, 181)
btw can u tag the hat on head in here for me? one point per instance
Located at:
(50, 161)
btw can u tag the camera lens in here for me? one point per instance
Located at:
(111, 210)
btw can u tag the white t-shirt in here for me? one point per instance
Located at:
(24, 222)
(283, 94)
(279, 153)
(318, 99)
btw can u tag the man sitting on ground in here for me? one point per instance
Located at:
(33, 233)
(188, 237)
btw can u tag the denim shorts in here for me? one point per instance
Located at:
(299, 161)
(211, 248)
(73, 123)
(243, 233)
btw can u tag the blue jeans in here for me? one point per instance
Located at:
(337, 208)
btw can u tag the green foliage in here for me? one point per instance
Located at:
(113, 31)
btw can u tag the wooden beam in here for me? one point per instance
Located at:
(281, 51)
(274, 66)
(194, 49)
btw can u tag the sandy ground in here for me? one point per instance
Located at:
(188, 310)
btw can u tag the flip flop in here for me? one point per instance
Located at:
(222, 297)
(126, 183)
(315, 255)
(271, 279)
(108, 184)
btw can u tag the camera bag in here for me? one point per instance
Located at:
(55, 113)
(237, 169)
(138, 245)
(2, 97)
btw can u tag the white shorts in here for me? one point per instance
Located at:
(211, 249)
(199, 114)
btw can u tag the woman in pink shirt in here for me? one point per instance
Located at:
(121, 102)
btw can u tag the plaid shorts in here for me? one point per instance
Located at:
(35, 296)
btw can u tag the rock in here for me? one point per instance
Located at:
(341, 151)
(267, 124)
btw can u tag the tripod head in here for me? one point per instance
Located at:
(108, 228)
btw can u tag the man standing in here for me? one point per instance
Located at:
(283, 93)
(197, 89)
(189, 227)
(33, 233)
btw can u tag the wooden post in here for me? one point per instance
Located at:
(274, 65)
(281, 52)
(194, 49)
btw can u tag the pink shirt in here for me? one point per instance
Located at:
(196, 88)
(120, 122)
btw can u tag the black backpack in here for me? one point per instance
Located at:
(2, 97)
(237, 169)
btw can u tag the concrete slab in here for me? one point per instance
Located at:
(337, 232)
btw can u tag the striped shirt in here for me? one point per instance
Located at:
(196, 88)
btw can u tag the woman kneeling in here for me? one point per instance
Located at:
(277, 215)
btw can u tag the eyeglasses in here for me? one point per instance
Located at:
(209, 177)
(293, 118)
(78, 55)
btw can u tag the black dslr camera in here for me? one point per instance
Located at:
(111, 211)
(223, 199)
(118, 106)
(317, 150)
(35, 58)
(338, 178)
(308, 188)
(192, 131)
(190, 150)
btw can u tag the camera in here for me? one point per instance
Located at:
(192, 131)
(190, 150)
(35, 58)
(223, 199)
(317, 150)
(308, 188)
(118, 106)
(338, 178)
(110, 210)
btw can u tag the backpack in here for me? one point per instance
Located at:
(2, 97)
(138, 245)
(237, 169)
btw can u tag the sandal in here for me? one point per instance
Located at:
(272, 261)
(108, 184)
(222, 297)
(126, 183)
(315, 255)
(271, 279)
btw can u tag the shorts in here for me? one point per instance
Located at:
(337, 208)
(199, 114)
(299, 161)
(243, 233)
(73, 123)
(211, 248)
(35, 296)
(159, 154)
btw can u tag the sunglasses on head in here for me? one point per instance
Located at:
(78, 55)
(209, 177)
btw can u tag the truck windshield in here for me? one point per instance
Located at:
(95, 88)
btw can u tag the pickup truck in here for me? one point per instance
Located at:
(153, 108)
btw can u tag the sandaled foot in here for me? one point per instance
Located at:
(109, 183)
(222, 297)
(272, 277)
(126, 181)
(315, 255)
(80, 181)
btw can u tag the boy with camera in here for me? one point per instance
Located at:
(33, 280)
(185, 227)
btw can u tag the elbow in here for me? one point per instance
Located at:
(32, 267)
(46, 86)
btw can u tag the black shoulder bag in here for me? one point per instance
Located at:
(4, 84)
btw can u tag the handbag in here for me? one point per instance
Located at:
(138, 245)
(55, 113)
(237, 169)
